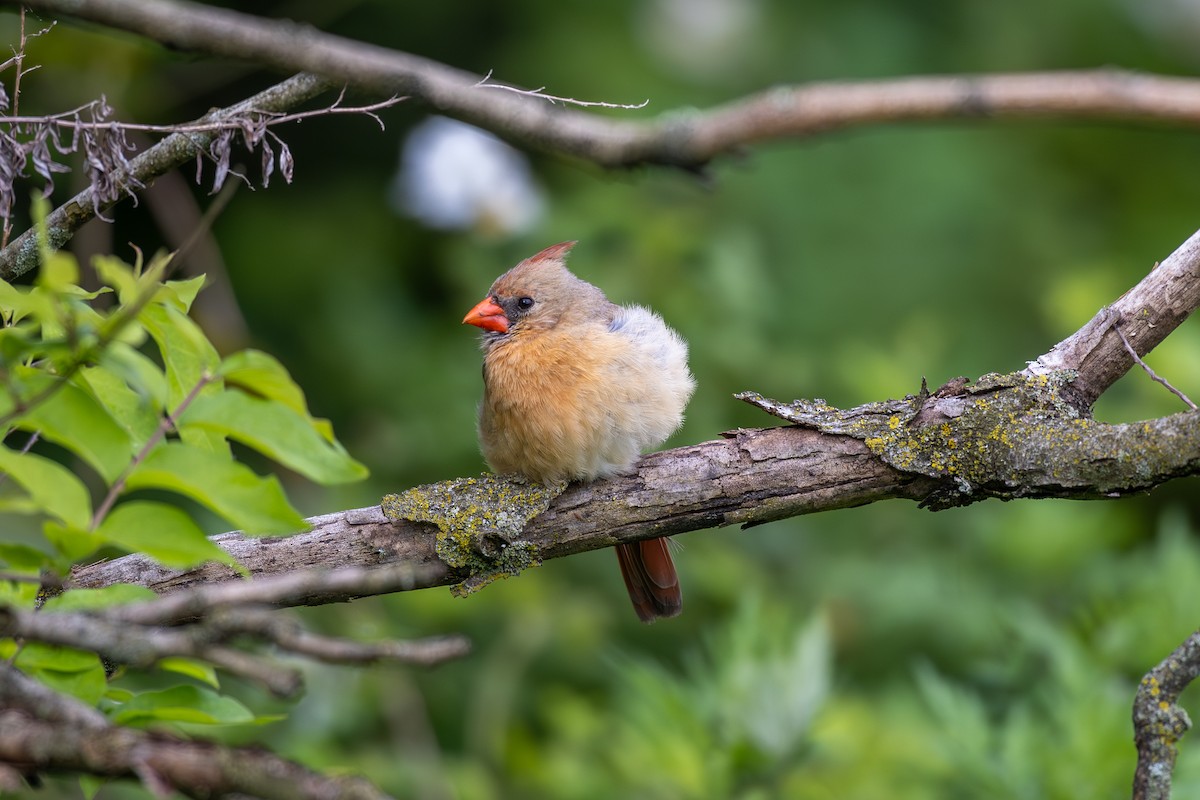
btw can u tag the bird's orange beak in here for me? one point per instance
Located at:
(487, 315)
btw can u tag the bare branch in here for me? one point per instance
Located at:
(486, 83)
(110, 634)
(69, 120)
(686, 139)
(755, 476)
(1148, 312)
(287, 634)
(1154, 376)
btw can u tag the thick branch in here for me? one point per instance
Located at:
(752, 477)
(21, 255)
(688, 139)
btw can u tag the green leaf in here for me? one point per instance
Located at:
(21, 557)
(72, 418)
(139, 371)
(59, 273)
(261, 374)
(20, 595)
(187, 353)
(192, 668)
(73, 542)
(277, 431)
(50, 485)
(137, 412)
(37, 655)
(119, 594)
(17, 345)
(188, 358)
(89, 785)
(183, 293)
(163, 532)
(193, 704)
(87, 685)
(35, 304)
(12, 300)
(254, 504)
(117, 274)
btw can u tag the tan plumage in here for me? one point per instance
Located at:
(576, 387)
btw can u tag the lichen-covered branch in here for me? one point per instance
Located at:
(687, 139)
(1158, 722)
(1008, 437)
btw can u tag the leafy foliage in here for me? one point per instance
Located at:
(139, 409)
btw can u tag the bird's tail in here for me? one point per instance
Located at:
(650, 578)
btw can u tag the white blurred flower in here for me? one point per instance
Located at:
(456, 176)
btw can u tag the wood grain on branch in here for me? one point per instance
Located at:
(686, 139)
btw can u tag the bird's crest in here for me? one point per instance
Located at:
(555, 252)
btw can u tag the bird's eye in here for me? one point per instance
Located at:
(525, 303)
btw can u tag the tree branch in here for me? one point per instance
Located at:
(1147, 314)
(41, 730)
(21, 254)
(1158, 722)
(112, 634)
(752, 477)
(685, 139)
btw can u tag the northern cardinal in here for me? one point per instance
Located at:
(575, 388)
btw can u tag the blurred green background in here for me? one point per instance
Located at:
(880, 652)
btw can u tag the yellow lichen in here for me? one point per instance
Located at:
(480, 522)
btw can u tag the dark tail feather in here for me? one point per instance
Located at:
(650, 578)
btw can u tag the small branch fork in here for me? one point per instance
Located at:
(1154, 376)
(43, 730)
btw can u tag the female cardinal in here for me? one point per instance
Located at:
(575, 387)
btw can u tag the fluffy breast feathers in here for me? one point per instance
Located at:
(581, 387)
